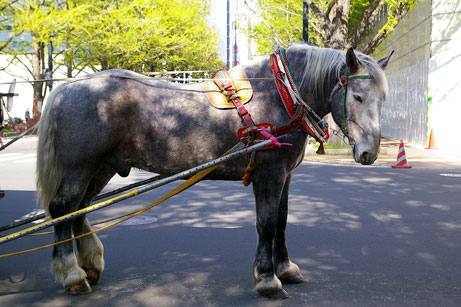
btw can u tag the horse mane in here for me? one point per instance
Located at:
(323, 67)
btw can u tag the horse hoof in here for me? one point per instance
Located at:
(274, 294)
(293, 279)
(92, 276)
(80, 287)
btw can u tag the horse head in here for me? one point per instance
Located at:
(356, 104)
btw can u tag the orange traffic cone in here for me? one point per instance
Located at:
(401, 158)
(431, 141)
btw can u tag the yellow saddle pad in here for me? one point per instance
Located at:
(241, 84)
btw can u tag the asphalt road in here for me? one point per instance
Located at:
(362, 236)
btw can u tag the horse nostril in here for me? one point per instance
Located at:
(364, 158)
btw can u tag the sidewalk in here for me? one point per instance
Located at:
(416, 157)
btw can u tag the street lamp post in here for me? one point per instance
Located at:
(228, 35)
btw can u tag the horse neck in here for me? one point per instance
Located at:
(320, 100)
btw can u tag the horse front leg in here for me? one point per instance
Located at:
(286, 271)
(267, 187)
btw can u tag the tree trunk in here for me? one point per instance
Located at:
(38, 53)
(104, 64)
(334, 21)
(69, 60)
(38, 50)
(339, 24)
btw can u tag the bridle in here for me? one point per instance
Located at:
(343, 83)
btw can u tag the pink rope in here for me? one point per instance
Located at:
(273, 139)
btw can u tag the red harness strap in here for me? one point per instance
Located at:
(287, 99)
(263, 131)
(224, 81)
(252, 131)
(302, 119)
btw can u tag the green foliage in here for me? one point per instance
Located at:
(131, 34)
(26, 18)
(135, 34)
(394, 8)
(358, 8)
(285, 18)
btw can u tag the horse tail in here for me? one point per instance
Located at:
(48, 170)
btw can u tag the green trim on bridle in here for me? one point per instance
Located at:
(343, 82)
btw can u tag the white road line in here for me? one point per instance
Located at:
(17, 157)
(34, 159)
(6, 155)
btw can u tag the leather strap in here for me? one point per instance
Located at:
(304, 120)
(295, 122)
(225, 85)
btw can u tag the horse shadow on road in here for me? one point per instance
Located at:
(361, 235)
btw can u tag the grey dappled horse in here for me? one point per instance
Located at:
(91, 129)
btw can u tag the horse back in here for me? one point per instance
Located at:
(128, 120)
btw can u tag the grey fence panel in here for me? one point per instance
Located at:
(405, 111)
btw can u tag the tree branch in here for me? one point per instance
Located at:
(329, 8)
(319, 32)
(25, 66)
(10, 61)
(277, 38)
(5, 44)
(398, 14)
(368, 17)
(284, 10)
(317, 12)
(8, 5)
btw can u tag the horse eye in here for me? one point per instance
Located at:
(358, 98)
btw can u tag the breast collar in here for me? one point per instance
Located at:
(309, 121)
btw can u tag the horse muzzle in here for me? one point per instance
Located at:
(365, 156)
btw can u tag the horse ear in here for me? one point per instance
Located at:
(352, 61)
(383, 62)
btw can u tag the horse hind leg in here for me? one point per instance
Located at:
(64, 265)
(90, 253)
(286, 271)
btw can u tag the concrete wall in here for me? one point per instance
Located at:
(445, 75)
(425, 87)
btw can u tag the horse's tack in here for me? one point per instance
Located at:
(310, 122)
(301, 117)
(241, 83)
(251, 132)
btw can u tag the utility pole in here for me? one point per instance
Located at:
(305, 21)
(235, 48)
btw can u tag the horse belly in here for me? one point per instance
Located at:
(171, 157)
